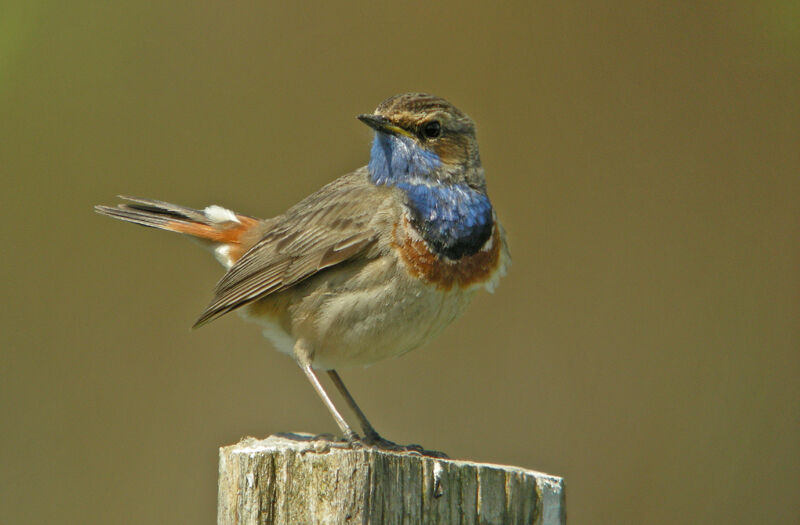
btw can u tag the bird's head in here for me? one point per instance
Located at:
(421, 138)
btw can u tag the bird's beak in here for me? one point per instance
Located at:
(383, 124)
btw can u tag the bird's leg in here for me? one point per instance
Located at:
(370, 433)
(371, 436)
(349, 435)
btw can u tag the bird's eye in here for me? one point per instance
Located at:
(432, 129)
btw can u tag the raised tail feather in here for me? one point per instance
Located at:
(233, 234)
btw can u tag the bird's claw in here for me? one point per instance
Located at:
(373, 440)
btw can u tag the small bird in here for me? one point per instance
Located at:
(370, 266)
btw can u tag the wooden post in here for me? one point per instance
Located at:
(292, 479)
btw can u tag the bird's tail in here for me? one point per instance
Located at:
(229, 234)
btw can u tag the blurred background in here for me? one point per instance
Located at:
(643, 158)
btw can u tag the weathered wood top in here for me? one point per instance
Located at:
(292, 478)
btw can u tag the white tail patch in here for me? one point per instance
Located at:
(219, 214)
(223, 255)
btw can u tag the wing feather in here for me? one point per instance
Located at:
(331, 226)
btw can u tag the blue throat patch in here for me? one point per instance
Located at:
(454, 219)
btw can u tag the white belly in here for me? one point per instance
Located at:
(359, 318)
(362, 328)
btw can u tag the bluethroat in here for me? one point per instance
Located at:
(372, 265)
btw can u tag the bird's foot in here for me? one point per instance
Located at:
(374, 440)
(321, 443)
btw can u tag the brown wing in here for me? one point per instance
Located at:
(327, 228)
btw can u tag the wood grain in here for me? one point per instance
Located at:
(292, 478)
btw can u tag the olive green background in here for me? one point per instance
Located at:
(643, 158)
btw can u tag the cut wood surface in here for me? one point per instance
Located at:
(294, 479)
